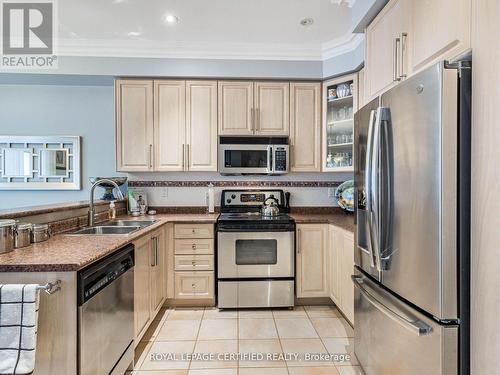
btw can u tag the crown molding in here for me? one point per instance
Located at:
(138, 48)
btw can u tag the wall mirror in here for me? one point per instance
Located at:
(40, 163)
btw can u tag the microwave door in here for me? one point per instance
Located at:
(240, 159)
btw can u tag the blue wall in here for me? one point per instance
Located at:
(85, 110)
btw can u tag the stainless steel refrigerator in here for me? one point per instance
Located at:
(412, 193)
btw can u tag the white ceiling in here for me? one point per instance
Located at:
(251, 29)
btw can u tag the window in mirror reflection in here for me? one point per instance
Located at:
(53, 163)
(17, 162)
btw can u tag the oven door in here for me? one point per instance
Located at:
(243, 255)
(236, 159)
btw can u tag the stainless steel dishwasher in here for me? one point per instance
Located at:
(106, 314)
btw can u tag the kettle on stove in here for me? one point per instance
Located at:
(270, 207)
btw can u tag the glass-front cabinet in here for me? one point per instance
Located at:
(339, 104)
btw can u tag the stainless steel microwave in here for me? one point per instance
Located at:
(253, 155)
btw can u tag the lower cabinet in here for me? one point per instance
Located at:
(341, 266)
(312, 255)
(149, 279)
(193, 262)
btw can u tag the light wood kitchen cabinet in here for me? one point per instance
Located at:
(169, 125)
(340, 101)
(272, 108)
(149, 279)
(441, 29)
(341, 263)
(193, 262)
(305, 126)
(253, 108)
(134, 125)
(335, 245)
(312, 256)
(386, 53)
(201, 125)
(142, 289)
(235, 108)
(157, 270)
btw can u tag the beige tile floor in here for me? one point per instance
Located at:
(215, 337)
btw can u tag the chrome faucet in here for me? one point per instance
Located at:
(91, 214)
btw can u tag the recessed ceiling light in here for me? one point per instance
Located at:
(306, 21)
(170, 18)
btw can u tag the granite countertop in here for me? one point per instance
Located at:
(340, 219)
(63, 253)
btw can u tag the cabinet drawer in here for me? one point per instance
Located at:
(194, 231)
(194, 262)
(194, 246)
(194, 285)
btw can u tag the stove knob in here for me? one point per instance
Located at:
(233, 196)
(228, 200)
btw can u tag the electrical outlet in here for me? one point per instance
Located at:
(164, 192)
(331, 192)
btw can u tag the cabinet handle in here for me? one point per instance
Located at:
(395, 68)
(257, 119)
(252, 119)
(298, 241)
(183, 156)
(193, 263)
(193, 246)
(156, 251)
(153, 252)
(193, 286)
(193, 231)
(188, 157)
(150, 156)
(402, 74)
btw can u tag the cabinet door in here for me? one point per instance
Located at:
(170, 125)
(194, 285)
(142, 291)
(201, 125)
(305, 126)
(380, 59)
(272, 108)
(347, 268)
(441, 29)
(157, 272)
(134, 125)
(312, 272)
(336, 244)
(235, 108)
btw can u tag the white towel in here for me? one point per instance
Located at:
(18, 328)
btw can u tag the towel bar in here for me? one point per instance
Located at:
(51, 288)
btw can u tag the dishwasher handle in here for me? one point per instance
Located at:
(94, 278)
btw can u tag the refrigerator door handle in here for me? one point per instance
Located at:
(368, 187)
(415, 326)
(374, 192)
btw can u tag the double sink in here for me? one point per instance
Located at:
(113, 227)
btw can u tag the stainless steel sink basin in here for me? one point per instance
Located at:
(106, 230)
(128, 223)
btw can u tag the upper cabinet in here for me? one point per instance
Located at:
(272, 108)
(386, 61)
(305, 126)
(339, 104)
(441, 29)
(201, 125)
(134, 125)
(169, 124)
(410, 35)
(236, 108)
(180, 136)
(253, 108)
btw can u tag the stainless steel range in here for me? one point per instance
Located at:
(255, 261)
